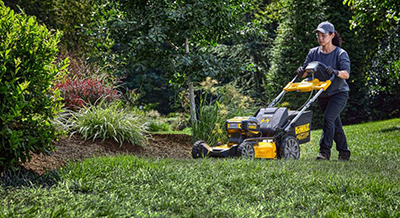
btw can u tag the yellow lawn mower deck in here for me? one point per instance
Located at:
(273, 132)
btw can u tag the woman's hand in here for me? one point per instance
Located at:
(343, 74)
(301, 72)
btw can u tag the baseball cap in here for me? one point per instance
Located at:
(325, 27)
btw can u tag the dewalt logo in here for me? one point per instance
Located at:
(302, 128)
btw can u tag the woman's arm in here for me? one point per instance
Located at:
(343, 74)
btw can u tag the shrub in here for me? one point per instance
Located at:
(157, 125)
(178, 121)
(80, 92)
(109, 121)
(29, 102)
(156, 122)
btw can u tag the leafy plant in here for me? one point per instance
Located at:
(27, 72)
(109, 121)
(210, 123)
(178, 121)
(80, 92)
(68, 16)
(156, 125)
(217, 104)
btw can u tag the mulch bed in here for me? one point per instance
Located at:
(74, 148)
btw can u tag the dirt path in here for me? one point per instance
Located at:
(74, 149)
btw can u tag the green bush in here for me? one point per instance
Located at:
(29, 102)
(109, 121)
(158, 125)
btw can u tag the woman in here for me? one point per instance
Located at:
(334, 99)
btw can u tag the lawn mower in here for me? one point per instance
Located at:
(273, 132)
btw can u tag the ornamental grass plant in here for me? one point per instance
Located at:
(109, 121)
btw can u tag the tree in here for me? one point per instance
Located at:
(378, 22)
(170, 37)
(296, 21)
(247, 52)
(378, 15)
(68, 16)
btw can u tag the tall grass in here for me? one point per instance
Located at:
(210, 123)
(109, 121)
(128, 186)
(217, 104)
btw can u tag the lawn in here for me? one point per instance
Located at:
(129, 186)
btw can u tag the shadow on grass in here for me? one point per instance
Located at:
(396, 128)
(20, 177)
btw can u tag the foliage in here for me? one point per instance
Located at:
(378, 21)
(254, 44)
(178, 121)
(109, 121)
(210, 123)
(357, 108)
(380, 15)
(157, 125)
(27, 70)
(292, 43)
(130, 186)
(68, 16)
(245, 53)
(78, 93)
(149, 38)
(217, 104)
(384, 78)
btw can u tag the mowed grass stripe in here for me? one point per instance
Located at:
(128, 186)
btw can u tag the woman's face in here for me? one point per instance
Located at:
(324, 38)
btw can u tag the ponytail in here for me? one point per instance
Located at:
(337, 40)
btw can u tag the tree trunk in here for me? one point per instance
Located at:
(191, 89)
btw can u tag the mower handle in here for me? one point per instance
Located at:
(311, 67)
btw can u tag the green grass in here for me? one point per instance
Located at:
(186, 131)
(128, 186)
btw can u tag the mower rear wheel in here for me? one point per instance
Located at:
(289, 148)
(197, 149)
(246, 150)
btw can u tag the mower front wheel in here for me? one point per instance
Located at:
(289, 148)
(197, 149)
(246, 150)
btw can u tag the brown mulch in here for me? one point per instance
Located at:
(74, 148)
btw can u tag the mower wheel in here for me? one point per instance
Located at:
(289, 148)
(197, 149)
(245, 150)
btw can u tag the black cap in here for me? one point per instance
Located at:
(325, 27)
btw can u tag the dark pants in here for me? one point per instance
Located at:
(333, 130)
